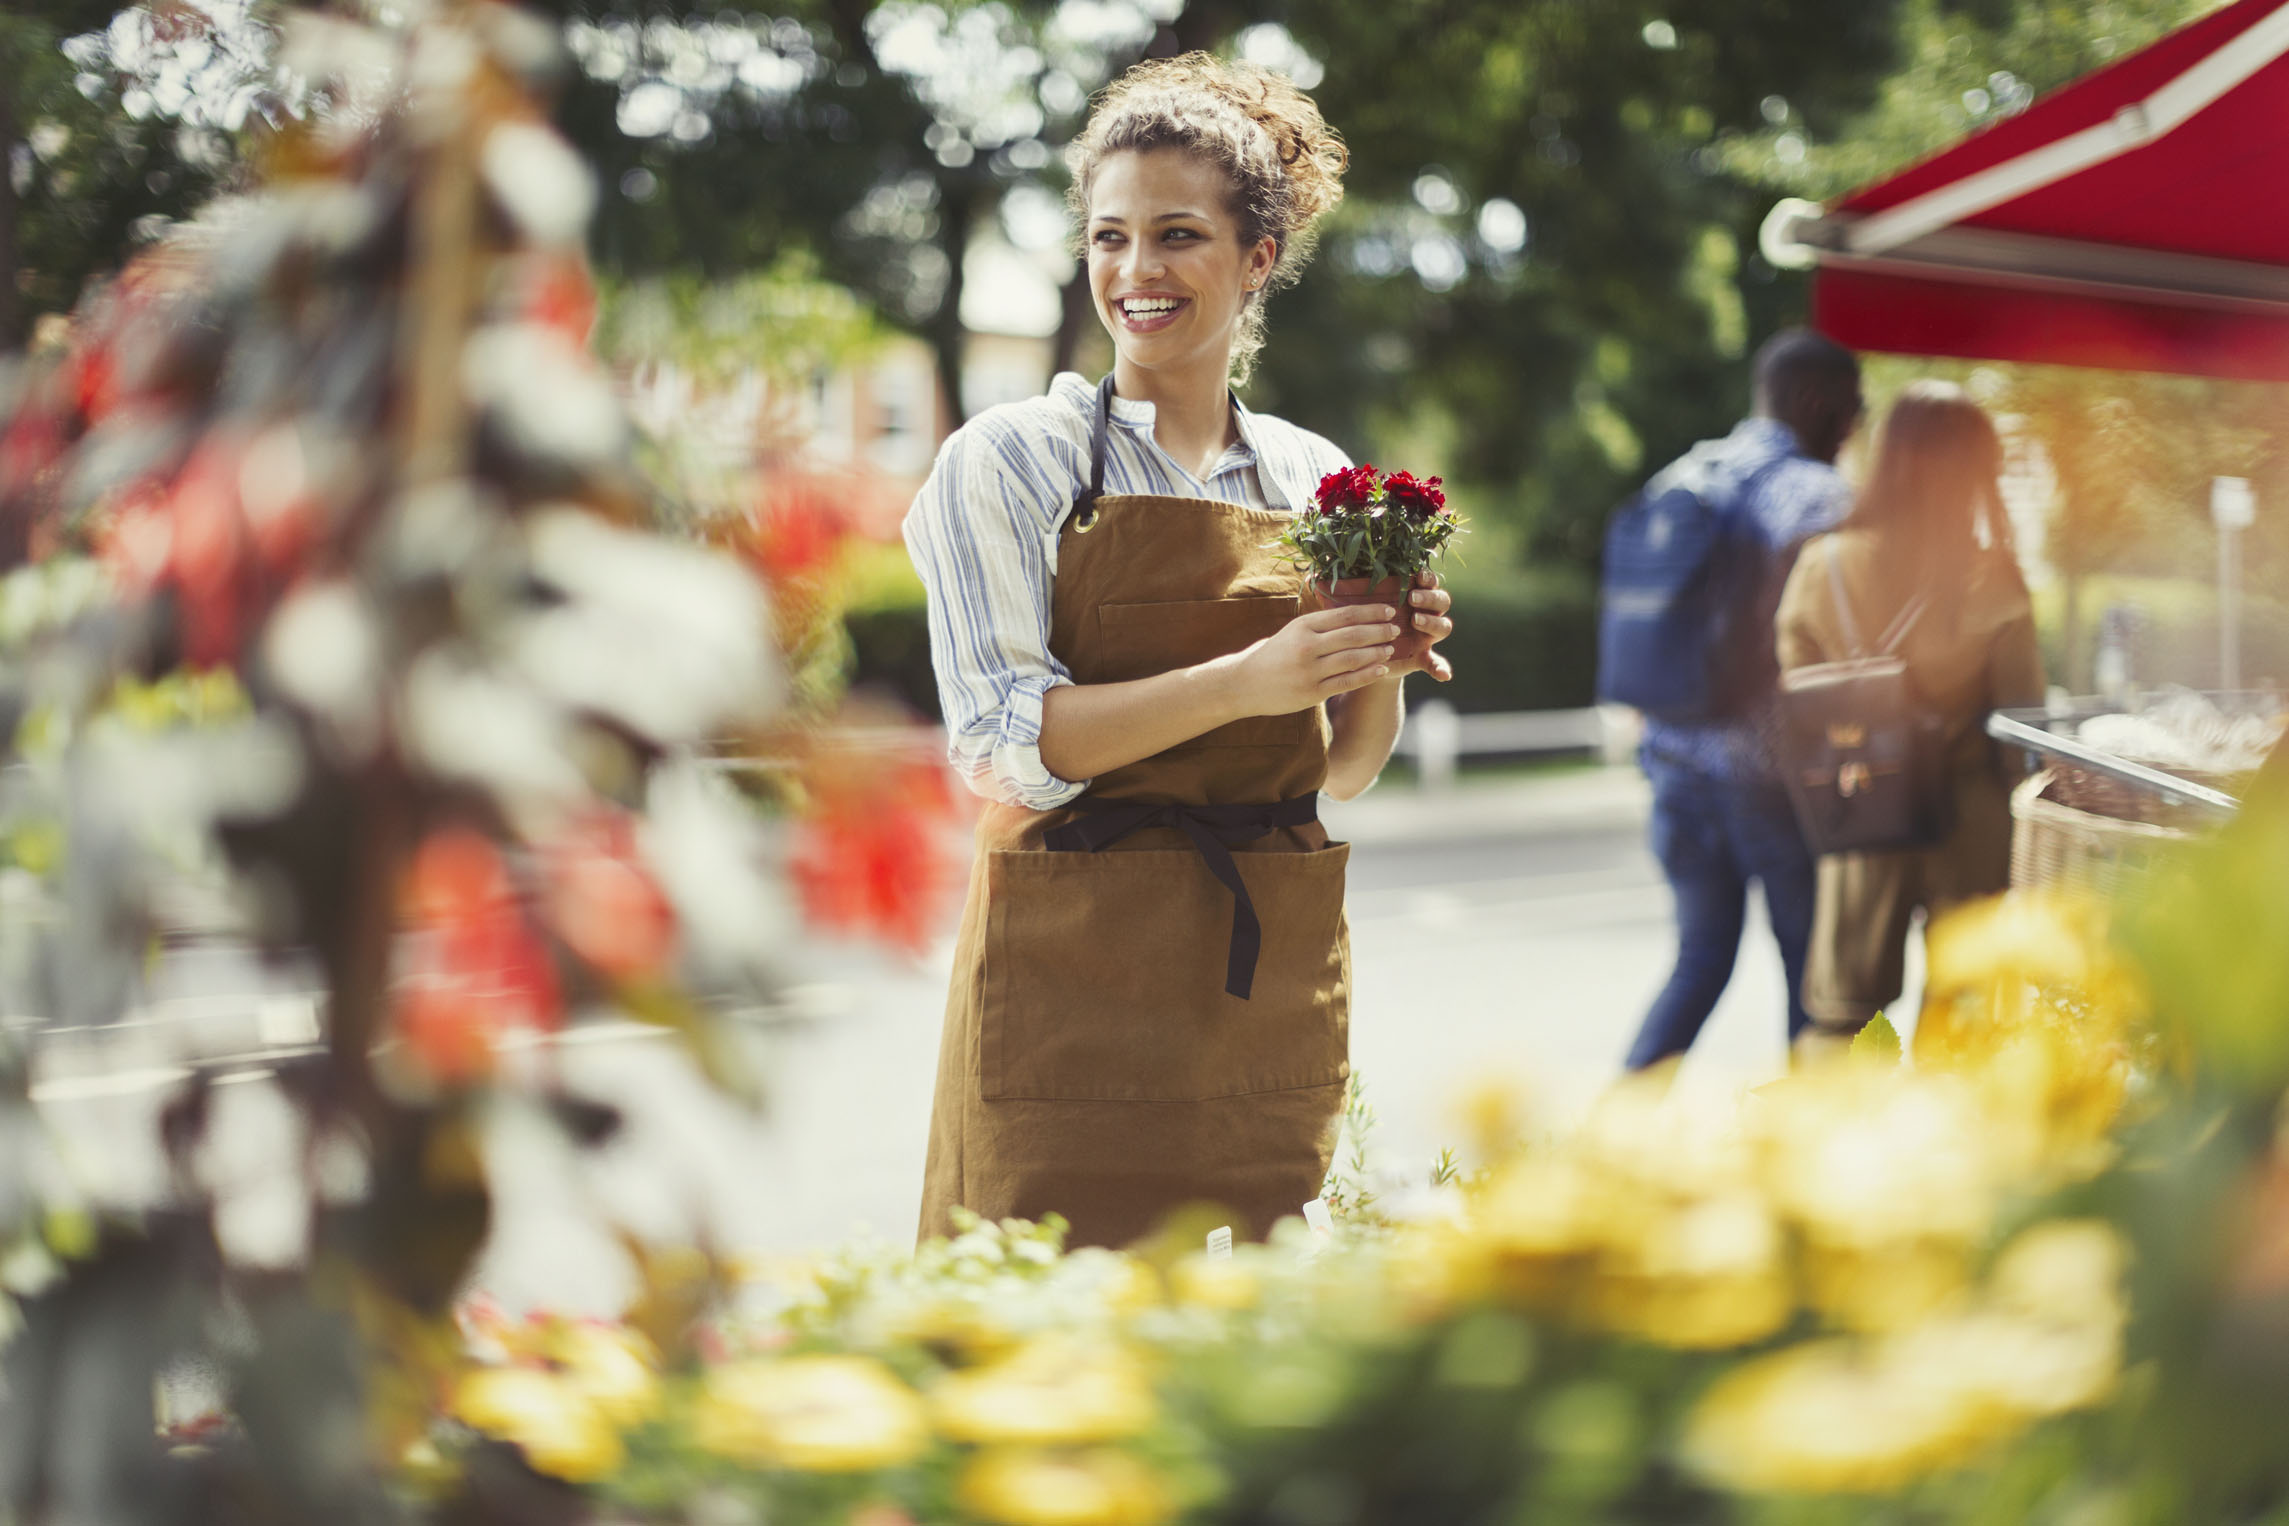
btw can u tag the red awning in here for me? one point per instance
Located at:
(2135, 220)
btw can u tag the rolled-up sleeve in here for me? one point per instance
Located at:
(981, 534)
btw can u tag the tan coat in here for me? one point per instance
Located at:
(1095, 1062)
(1985, 658)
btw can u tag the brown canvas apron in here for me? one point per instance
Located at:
(1098, 1061)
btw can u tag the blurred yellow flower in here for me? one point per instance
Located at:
(793, 1277)
(1667, 1139)
(1494, 1113)
(1131, 1287)
(2039, 938)
(1701, 1275)
(958, 1324)
(617, 1368)
(2003, 1370)
(2068, 1271)
(1214, 1283)
(1022, 1486)
(1539, 1222)
(1867, 1416)
(1861, 1287)
(561, 1430)
(1825, 1418)
(1053, 1391)
(1872, 1159)
(817, 1414)
(2027, 961)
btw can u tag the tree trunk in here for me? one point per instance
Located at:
(957, 216)
(11, 298)
(1075, 313)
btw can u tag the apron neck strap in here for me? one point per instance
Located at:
(1083, 514)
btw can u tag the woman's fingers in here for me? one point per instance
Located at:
(1348, 615)
(1360, 678)
(1353, 658)
(1351, 637)
(1437, 627)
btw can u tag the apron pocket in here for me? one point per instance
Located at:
(1145, 640)
(1104, 977)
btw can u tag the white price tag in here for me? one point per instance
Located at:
(1316, 1215)
(1220, 1244)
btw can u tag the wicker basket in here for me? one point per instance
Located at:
(2097, 794)
(2055, 845)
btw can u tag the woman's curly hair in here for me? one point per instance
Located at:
(1284, 163)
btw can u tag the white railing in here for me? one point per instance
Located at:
(1436, 737)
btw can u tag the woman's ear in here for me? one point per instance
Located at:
(1261, 261)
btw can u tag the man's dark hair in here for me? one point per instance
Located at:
(1812, 384)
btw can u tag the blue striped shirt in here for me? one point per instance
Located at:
(983, 536)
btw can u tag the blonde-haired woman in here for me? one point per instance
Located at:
(1929, 543)
(1150, 992)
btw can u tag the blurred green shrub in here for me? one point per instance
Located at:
(889, 628)
(1524, 639)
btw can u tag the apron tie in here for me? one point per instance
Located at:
(1215, 830)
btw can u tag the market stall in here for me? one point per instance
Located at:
(2125, 222)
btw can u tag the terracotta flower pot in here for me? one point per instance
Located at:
(1393, 590)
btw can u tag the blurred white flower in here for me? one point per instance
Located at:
(547, 396)
(541, 182)
(463, 721)
(671, 641)
(713, 860)
(324, 653)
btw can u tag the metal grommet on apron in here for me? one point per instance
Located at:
(1151, 987)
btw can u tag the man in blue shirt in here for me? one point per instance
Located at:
(1721, 816)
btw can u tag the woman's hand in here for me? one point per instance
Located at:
(1428, 607)
(1315, 657)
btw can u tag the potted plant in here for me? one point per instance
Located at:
(1364, 537)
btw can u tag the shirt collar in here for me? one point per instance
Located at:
(1139, 414)
(1770, 433)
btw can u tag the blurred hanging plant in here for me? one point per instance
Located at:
(346, 590)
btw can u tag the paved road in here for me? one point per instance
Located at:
(1507, 930)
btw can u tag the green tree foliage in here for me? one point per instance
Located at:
(1537, 286)
(1544, 249)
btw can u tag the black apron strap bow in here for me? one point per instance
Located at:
(1215, 830)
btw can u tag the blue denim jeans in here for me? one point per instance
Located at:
(1713, 836)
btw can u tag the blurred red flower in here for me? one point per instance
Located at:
(869, 858)
(556, 290)
(603, 902)
(797, 532)
(470, 968)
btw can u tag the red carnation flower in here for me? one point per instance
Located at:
(1351, 488)
(1414, 497)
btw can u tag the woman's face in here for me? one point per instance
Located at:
(1167, 269)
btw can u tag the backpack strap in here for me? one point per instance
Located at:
(1889, 642)
(1843, 605)
(1902, 623)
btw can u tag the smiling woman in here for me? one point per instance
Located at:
(1150, 1000)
